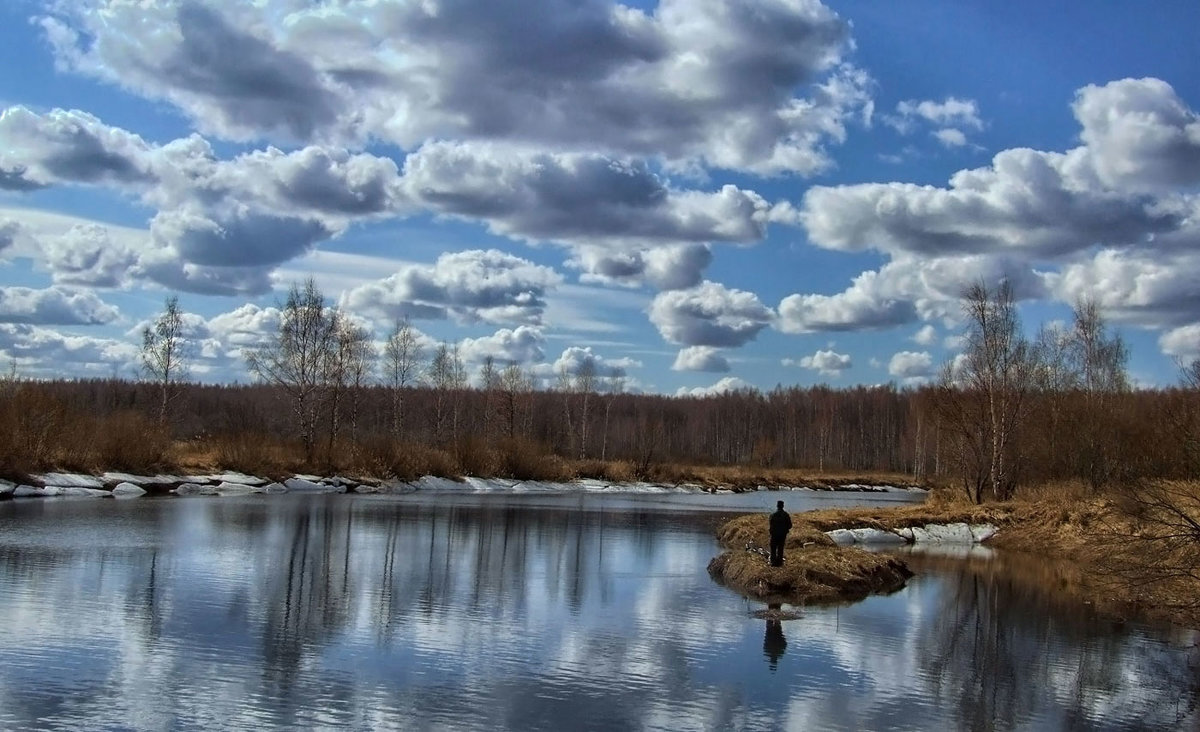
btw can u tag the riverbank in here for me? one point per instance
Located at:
(119, 484)
(1122, 556)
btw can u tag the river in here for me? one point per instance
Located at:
(588, 611)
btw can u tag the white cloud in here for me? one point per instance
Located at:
(1142, 287)
(825, 362)
(1139, 134)
(952, 112)
(8, 232)
(67, 147)
(762, 88)
(950, 137)
(470, 286)
(926, 336)
(709, 315)
(700, 358)
(1115, 219)
(1182, 342)
(521, 345)
(574, 359)
(725, 385)
(867, 303)
(911, 365)
(45, 352)
(54, 306)
(666, 268)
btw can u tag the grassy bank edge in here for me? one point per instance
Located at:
(1103, 549)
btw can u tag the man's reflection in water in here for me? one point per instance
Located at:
(774, 644)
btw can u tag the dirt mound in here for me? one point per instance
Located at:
(810, 575)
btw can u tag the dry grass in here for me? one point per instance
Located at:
(815, 574)
(815, 569)
(1131, 553)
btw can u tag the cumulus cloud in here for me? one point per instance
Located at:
(54, 306)
(8, 232)
(1182, 342)
(926, 336)
(263, 208)
(911, 365)
(577, 198)
(825, 362)
(87, 255)
(1141, 287)
(763, 88)
(469, 286)
(576, 360)
(950, 137)
(67, 147)
(700, 358)
(724, 386)
(666, 268)
(1116, 219)
(249, 213)
(1139, 133)
(903, 290)
(521, 345)
(866, 304)
(44, 351)
(951, 112)
(709, 315)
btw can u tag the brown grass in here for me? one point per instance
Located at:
(1130, 553)
(814, 574)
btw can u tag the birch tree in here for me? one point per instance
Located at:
(163, 357)
(985, 398)
(401, 356)
(296, 357)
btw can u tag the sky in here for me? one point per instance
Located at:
(695, 195)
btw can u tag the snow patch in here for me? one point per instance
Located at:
(239, 478)
(956, 533)
(7, 487)
(69, 479)
(305, 485)
(195, 489)
(159, 479)
(128, 490)
(235, 489)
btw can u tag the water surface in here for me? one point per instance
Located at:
(522, 612)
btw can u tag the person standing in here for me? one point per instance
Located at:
(781, 524)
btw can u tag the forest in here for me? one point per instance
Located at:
(1010, 411)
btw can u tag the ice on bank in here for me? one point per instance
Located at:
(954, 533)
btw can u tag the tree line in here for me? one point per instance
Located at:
(1010, 410)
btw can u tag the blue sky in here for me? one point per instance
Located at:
(696, 194)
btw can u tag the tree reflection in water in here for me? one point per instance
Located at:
(297, 612)
(1005, 636)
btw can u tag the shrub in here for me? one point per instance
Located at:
(129, 441)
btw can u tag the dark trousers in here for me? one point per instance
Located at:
(777, 550)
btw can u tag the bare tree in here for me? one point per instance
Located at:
(347, 372)
(984, 399)
(448, 378)
(401, 355)
(1098, 358)
(489, 382)
(514, 385)
(615, 385)
(585, 385)
(296, 357)
(163, 358)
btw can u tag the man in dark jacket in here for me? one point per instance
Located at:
(781, 524)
